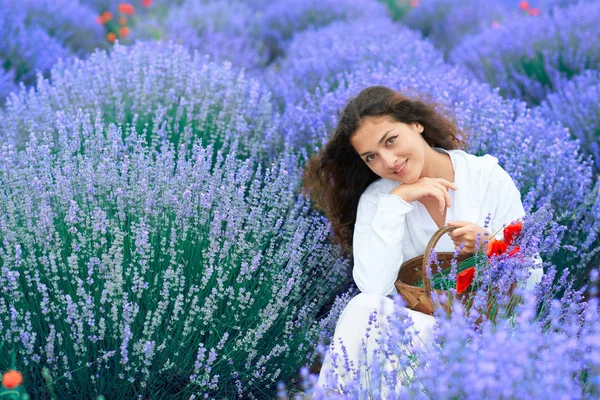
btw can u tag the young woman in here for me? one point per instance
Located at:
(390, 176)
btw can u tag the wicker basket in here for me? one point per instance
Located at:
(413, 270)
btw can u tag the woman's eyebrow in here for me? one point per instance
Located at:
(380, 140)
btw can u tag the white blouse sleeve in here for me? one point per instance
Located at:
(507, 208)
(377, 242)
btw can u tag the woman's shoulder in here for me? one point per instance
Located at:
(486, 159)
(483, 170)
(474, 165)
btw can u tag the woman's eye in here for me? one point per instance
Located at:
(391, 140)
(369, 157)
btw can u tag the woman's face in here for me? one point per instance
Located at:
(393, 150)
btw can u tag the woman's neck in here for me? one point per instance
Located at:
(437, 165)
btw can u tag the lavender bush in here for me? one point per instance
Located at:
(358, 44)
(574, 105)
(529, 57)
(284, 18)
(446, 22)
(156, 274)
(70, 22)
(36, 34)
(26, 50)
(161, 89)
(545, 348)
(228, 30)
(7, 83)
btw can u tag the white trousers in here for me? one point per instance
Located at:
(352, 328)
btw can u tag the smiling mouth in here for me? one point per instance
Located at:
(402, 168)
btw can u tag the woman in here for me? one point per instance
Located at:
(390, 176)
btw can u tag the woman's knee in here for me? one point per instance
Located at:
(366, 304)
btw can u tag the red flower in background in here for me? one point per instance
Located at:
(111, 37)
(12, 379)
(126, 8)
(512, 231)
(464, 279)
(103, 18)
(534, 12)
(524, 5)
(146, 3)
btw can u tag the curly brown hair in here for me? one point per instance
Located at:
(337, 176)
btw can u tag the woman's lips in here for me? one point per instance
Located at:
(402, 168)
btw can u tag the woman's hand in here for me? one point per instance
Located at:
(426, 187)
(467, 233)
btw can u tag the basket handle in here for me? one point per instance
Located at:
(432, 242)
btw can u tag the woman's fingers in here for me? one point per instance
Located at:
(459, 232)
(438, 193)
(446, 196)
(444, 189)
(447, 183)
(441, 194)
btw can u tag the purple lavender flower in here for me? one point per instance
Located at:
(36, 34)
(529, 57)
(225, 29)
(519, 356)
(160, 88)
(574, 105)
(7, 84)
(354, 45)
(140, 252)
(285, 18)
(446, 22)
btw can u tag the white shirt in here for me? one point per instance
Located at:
(389, 230)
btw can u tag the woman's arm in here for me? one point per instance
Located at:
(377, 242)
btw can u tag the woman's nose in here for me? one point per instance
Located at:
(389, 160)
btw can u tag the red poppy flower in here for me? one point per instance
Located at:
(512, 231)
(124, 31)
(464, 279)
(104, 17)
(524, 5)
(111, 37)
(146, 3)
(12, 379)
(126, 8)
(496, 248)
(534, 12)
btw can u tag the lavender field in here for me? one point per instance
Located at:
(156, 241)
